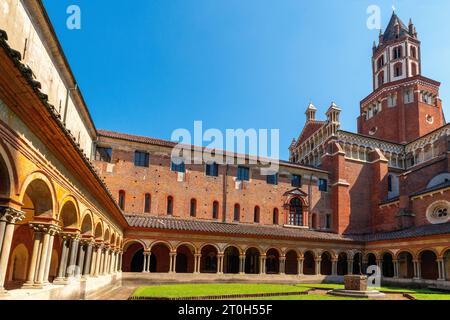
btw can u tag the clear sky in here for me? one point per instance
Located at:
(148, 67)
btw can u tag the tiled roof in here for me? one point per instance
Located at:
(390, 33)
(165, 223)
(133, 138)
(176, 224)
(310, 128)
(425, 230)
(435, 188)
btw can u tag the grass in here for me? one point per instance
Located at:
(201, 290)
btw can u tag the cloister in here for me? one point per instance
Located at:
(182, 257)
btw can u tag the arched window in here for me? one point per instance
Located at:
(397, 53)
(193, 209)
(147, 203)
(256, 215)
(414, 69)
(122, 199)
(275, 216)
(296, 212)
(215, 210)
(413, 52)
(237, 212)
(381, 78)
(398, 69)
(169, 205)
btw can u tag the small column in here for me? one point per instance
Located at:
(242, 264)
(88, 260)
(350, 267)
(220, 261)
(34, 259)
(334, 263)
(48, 232)
(120, 261)
(300, 266)
(441, 269)
(49, 256)
(104, 259)
(318, 268)
(197, 262)
(8, 218)
(282, 265)
(63, 259)
(262, 264)
(395, 262)
(149, 261)
(144, 267)
(98, 258)
(81, 256)
(380, 266)
(70, 273)
(173, 262)
(417, 271)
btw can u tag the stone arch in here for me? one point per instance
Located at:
(208, 259)
(291, 264)
(185, 261)
(113, 239)
(231, 259)
(272, 261)
(326, 263)
(166, 243)
(428, 264)
(18, 267)
(87, 224)
(160, 257)
(309, 263)
(38, 196)
(405, 264)
(357, 263)
(446, 257)
(69, 214)
(252, 257)
(107, 235)
(133, 256)
(342, 264)
(387, 265)
(98, 231)
(8, 173)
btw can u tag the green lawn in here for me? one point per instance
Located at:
(201, 290)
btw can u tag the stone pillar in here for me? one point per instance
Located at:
(144, 267)
(88, 260)
(103, 260)
(282, 265)
(242, 264)
(220, 261)
(350, 267)
(81, 256)
(8, 218)
(262, 264)
(48, 234)
(63, 259)
(334, 263)
(98, 258)
(395, 262)
(173, 262)
(441, 269)
(300, 266)
(380, 266)
(197, 262)
(119, 267)
(34, 259)
(72, 264)
(149, 261)
(49, 257)
(318, 268)
(417, 271)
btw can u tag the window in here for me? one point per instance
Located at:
(409, 96)
(103, 154)
(141, 159)
(296, 212)
(323, 185)
(122, 199)
(215, 210)
(296, 181)
(328, 221)
(381, 78)
(272, 179)
(212, 169)
(275, 216)
(147, 203)
(398, 69)
(380, 62)
(397, 53)
(392, 100)
(237, 212)
(169, 206)
(178, 165)
(243, 174)
(413, 52)
(256, 215)
(414, 69)
(390, 183)
(193, 210)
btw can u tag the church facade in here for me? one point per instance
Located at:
(81, 208)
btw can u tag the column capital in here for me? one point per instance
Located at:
(49, 228)
(70, 235)
(11, 215)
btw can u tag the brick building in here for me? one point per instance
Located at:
(78, 205)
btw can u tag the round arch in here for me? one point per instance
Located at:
(8, 173)
(38, 191)
(133, 256)
(272, 261)
(387, 265)
(342, 264)
(160, 257)
(291, 264)
(252, 255)
(405, 264)
(68, 216)
(185, 261)
(208, 260)
(428, 264)
(98, 233)
(326, 263)
(87, 224)
(231, 259)
(309, 263)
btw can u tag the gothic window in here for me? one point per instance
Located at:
(193, 208)
(147, 203)
(413, 52)
(380, 78)
(296, 212)
(169, 205)
(215, 210)
(237, 212)
(122, 199)
(275, 216)
(256, 215)
(398, 69)
(380, 62)
(397, 53)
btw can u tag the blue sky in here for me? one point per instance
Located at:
(148, 67)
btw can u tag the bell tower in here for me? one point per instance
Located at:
(404, 105)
